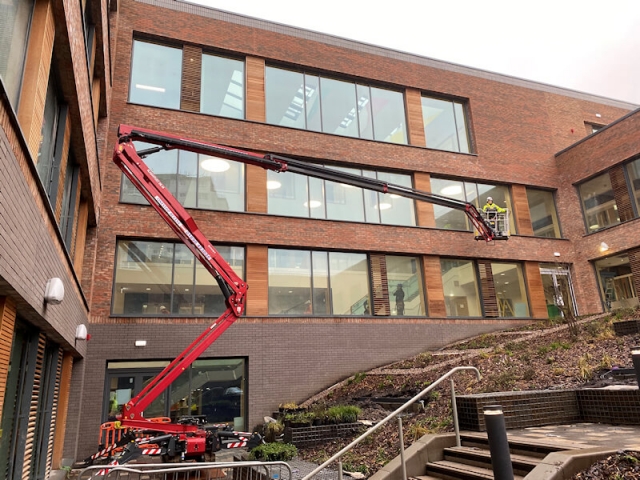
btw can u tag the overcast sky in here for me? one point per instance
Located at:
(586, 45)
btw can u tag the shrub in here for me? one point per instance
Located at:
(274, 452)
(343, 414)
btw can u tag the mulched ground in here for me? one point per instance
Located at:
(624, 465)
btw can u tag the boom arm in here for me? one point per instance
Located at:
(233, 288)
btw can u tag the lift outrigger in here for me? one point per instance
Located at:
(191, 437)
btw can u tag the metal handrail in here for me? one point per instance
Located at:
(389, 417)
(163, 468)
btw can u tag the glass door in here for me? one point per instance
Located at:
(558, 292)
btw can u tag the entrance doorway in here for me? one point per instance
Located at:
(558, 292)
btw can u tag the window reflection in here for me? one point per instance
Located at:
(460, 288)
(222, 86)
(633, 170)
(544, 217)
(161, 278)
(404, 284)
(14, 33)
(598, 203)
(156, 73)
(445, 125)
(617, 286)
(339, 107)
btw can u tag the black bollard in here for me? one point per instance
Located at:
(498, 443)
(635, 356)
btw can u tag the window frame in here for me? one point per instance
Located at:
(466, 117)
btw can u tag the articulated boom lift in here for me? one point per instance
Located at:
(190, 437)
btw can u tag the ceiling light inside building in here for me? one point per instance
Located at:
(149, 87)
(393, 195)
(384, 206)
(451, 190)
(273, 184)
(216, 165)
(312, 204)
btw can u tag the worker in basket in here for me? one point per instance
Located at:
(491, 211)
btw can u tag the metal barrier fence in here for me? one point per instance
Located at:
(190, 471)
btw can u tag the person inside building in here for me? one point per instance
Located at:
(399, 294)
(490, 206)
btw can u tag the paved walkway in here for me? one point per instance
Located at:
(582, 435)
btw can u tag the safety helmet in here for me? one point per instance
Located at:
(489, 199)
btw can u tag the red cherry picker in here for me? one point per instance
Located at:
(190, 437)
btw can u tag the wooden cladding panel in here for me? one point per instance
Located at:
(7, 325)
(426, 217)
(257, 196)
(36, 74)
(54, 415)
(621, 193)
(63, 167)
(258, 278)
(37, 390)
(435, 289)
(536, 290)
(379, 279)
(521, 210)
(489, 299)
(64, 389)
(634, 261)
(255, 89)
(413, 104)
(191, 78)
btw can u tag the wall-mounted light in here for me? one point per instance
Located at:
(141, 343)
(556, 254)
(81, 333)
(603, 247)
(54, 291)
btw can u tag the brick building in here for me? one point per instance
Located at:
(323, 261)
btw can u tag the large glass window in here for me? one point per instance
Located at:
(544, 217)
(15, 19)
(69, 201)
(339, 282)
(222, 86)
(215, 388)
(197, 181)
(445, 126)
(301, 196)
(598, 203)
(156, 73)
(616, 282)
(322, 104)
(511, 293)
(404, 284)
(633, 170)
(460, 286)
(475, 193)
(161, 278)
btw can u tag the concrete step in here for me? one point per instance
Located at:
(516, 446)
(447, 470)
(480, 457)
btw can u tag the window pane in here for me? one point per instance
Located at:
(633, 170)
(220, 184)
(338, 101)
(179, 398)
(598, 203)
(371, 200)
(616, 282)
(288, 195)
(542, 209)
(289, 281)
(312, 98)
(183, 270)
(209, 300)
(285, 97)
(394, 209)
(460, 288)
(142, 283)
(14, 32)
(48, 133)
(404, 282)
(389, 120)
(444, 125)
(448, 217)
(349, 282)
(321, 295)
(187, 179)
(156, 72)
(344, 202)
(510, 290)
(365, 118)
(218, 389)
(164, 164)
(222, 87)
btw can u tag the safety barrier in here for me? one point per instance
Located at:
(112, 432)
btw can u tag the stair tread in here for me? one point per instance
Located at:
(459, 467)
(520, 441)
(533, 461)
